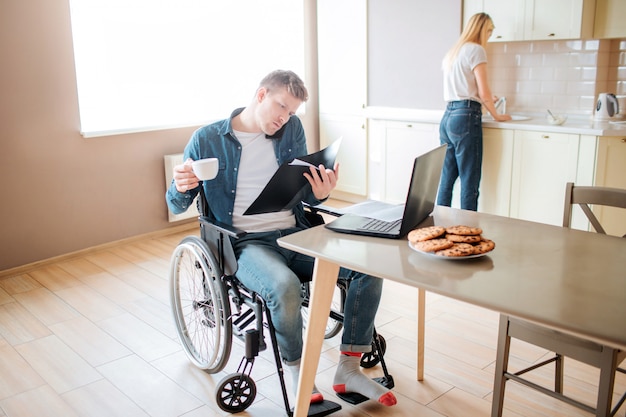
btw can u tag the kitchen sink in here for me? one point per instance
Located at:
(514, 118)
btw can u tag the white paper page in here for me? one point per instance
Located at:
(376, 210)
(299, 162)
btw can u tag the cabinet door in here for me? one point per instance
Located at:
(508, 17)
(610, 21)
(342, 55)
(352, 156)
(611, 172)
(557, 19)
(470, 8)
(543, 164)
(405, 142)
(495, 183)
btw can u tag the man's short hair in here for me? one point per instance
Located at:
(287, 79)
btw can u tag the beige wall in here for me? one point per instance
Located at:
(61, 192)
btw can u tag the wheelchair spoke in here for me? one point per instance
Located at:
(198, 303)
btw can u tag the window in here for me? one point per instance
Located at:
(150, 64)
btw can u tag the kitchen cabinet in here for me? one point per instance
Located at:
(609, 19)
(394, 145)
(524, 172)
(524, 20)
(575, 19)
(507, 17)
(495, 183)
(611, 172)
(543, 163)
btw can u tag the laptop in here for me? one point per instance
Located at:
(420, 202)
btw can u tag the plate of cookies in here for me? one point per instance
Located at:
(453, 242)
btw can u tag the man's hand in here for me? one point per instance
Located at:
(322, 180)
(184, 178)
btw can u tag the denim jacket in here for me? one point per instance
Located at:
(217, 141)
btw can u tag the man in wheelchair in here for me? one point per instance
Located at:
(250, 145)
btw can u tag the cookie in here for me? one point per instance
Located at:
(464, 230)
(425, 233)
(457, 250)
(433, 245)
(484, 246)
(463, 238)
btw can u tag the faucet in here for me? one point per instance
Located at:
(501, 102)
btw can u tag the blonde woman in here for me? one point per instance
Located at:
(465, 89)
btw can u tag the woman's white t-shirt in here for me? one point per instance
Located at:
(459, 82)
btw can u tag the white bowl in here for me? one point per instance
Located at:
(557, 119)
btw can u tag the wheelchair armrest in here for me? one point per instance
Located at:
(222, 227)
(322, 208)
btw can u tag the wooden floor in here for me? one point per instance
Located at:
(93, 336)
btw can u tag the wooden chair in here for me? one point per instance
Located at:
(606, 358)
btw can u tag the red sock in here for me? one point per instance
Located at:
(388, 399)
(317, 397)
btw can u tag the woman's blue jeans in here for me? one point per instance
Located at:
(461, 129)
(272, 272)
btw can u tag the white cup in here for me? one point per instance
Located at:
(205, 169)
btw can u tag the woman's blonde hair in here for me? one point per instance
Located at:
(477, 30)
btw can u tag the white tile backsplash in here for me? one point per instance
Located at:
(565, 76)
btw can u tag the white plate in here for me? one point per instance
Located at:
(452, 258)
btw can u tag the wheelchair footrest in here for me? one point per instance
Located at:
(323, 408)
(355, 398)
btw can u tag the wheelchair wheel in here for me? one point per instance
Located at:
(371, 359)
(333, 326)
(200, 305)
(235, 392)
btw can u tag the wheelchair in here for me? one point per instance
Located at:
(210, 306)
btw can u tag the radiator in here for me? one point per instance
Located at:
(170, 162)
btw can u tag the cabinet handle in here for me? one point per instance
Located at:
(551, 34)
(545, 136)
(409, 126)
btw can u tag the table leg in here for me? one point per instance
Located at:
(421, 313)
(322, 290)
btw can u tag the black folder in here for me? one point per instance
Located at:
(283, 191)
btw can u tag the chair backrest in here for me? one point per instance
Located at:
(585, 196)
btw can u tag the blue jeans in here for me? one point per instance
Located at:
(272, 272)
(461, 129)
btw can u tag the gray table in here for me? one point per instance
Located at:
(569, 280)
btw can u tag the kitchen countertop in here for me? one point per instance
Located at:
(579, 125)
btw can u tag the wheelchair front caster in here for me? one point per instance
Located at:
(235, 393)
(371, 359)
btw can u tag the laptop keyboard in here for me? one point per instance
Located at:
(377, 225)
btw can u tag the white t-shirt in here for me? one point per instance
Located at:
(459, 82)
(256, 167)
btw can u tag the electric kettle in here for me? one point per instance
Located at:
(606, 106)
